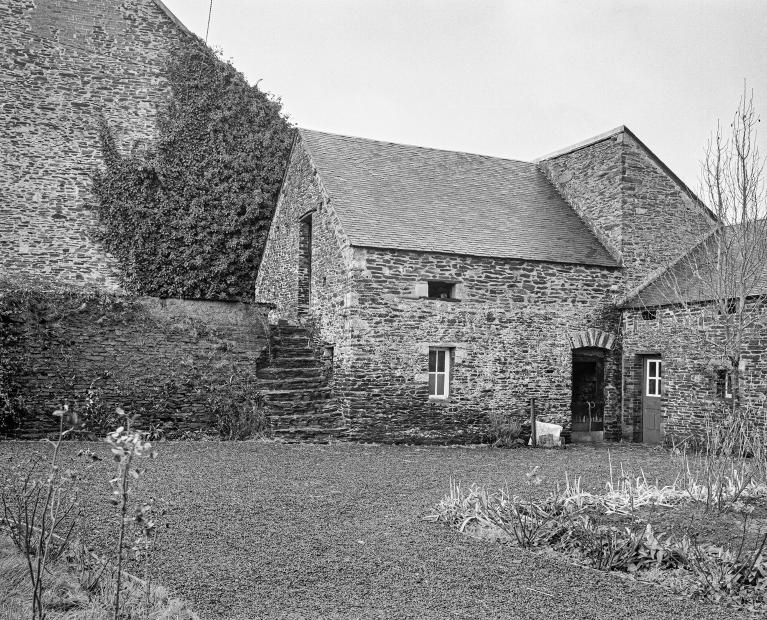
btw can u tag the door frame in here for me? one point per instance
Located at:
(598, 357)
(657, 392)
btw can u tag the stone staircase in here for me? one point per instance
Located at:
(293, 383)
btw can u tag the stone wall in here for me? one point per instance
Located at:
(164, 359)
(63, 63)
(278, 281)
(510, 332)
(690, 341)
(634, 205)
(509, 336)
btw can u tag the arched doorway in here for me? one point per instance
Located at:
(589, 353)
(588, 401)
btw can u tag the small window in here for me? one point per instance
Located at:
(649, 315)
(441, 290)
(439, 373)
(653, 387)
(723, 383)
(731, 306)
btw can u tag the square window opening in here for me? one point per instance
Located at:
(649, 315)
(441, 290)
(731, 306)
(439, 373)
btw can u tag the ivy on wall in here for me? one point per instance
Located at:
(189, 217)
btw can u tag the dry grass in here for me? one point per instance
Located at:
(66, 597)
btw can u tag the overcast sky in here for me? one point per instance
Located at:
(510, 78)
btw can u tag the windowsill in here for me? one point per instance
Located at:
(416, 298)
(439, 400)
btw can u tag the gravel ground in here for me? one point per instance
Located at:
(265, 530)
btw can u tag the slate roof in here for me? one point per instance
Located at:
(412, 198)
(699, 276)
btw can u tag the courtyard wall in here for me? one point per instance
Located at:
(173, 362)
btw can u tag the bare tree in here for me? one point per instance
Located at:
(718, 291)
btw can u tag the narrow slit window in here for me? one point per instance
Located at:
(439, 373)
(724, 384)
(654, 379)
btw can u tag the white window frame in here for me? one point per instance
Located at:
(657, 376)
(728, 384)
(436, 373)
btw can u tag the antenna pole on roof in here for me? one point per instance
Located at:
(207, 28)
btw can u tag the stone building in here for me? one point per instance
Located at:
(694, 337)
(443, 286)
(63, 64)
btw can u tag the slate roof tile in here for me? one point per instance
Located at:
(700, 275)
(412, 198)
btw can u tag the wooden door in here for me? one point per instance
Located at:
(652, 394)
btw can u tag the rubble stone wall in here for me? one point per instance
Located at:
(160, 358)
(508, 335)
(63, 64)
(691, 342)
(635, 207)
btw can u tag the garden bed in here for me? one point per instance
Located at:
(704, 535)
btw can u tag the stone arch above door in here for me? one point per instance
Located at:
(592, 338)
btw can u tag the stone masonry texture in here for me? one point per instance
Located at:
(640, 212)
(689, 339)
(160, 358)
(509, 334)
(63, 64)
(515, 325)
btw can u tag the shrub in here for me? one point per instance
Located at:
(189, 217)
(505, 429)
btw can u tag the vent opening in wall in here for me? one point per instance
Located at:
(441, 290)
(649, 315)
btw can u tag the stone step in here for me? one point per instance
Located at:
(313, 394)
(281, 330)
(306, 361)
(291, 341)
(308, 372)
(280, 351)
(286, 420)
(322, 405)
(291, 383)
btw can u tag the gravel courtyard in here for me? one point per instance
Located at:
(265, 530)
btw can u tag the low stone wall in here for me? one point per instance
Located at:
(168, 360)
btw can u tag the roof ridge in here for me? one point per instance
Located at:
(583, 143)
(415, 146)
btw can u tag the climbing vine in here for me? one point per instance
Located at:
(188, 216)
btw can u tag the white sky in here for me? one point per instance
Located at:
(509, 78)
